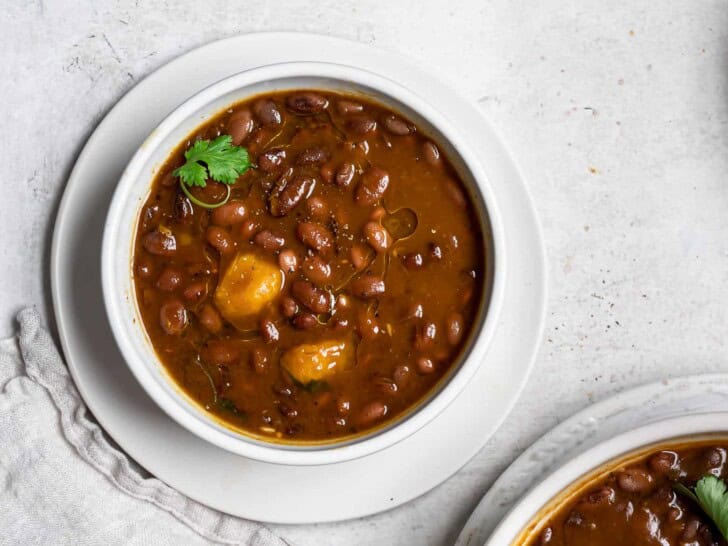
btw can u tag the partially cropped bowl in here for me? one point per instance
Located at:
(526, 520)
(134, 187)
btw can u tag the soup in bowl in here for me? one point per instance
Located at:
(302, 263)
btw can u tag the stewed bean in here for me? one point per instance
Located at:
(425, 365)
(169, 279)
(268, 331)
(183, 211)
(425, 336)
(374, 182)
(359, 257)
(316, 237)
(272, 160)
(377, 236)
(289, 307)
(210, 318)
(346, 107)
(317, 208)
(368, 286)
(223, 352)
(307, 103)
(267, 112)
(312, 156)
(160, 243)
(173, 317)
(345, 175)
(371, 413)
(268, 240)
(634, 480)
(316, 299)
(317, 269)
(413, 260)
(454, 328)
(240, 125)
(195, 291)
(292, 192)
(232, 212)
(288, 261)
(396, 125)
(305, 321)
(220, 239)
(431, 153)
(361, 124)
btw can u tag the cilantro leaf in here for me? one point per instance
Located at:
(219, 160)
(711, 494)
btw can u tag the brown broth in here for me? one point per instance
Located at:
(433, 278)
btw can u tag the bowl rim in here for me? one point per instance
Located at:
(238, 442)
(570, 474)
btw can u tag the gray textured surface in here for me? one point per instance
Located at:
(617, 115)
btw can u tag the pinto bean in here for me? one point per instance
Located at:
(454, 328)
(346, 107)
(413, 260)
(160, 243)
(289, 307)
(425, 365)
(386, 386)
(307, 103)
(268, 240)
(220, 240)
(371, 188)
(271, 161)
(312, 156)
(267, 112)
(288, 261)
(377, 236)
(317, 269)
(169, 279)
(305, 321)
(431, 153)
(183, 210)
(268, 331)
(195, 291)
(314, 298)
(345, 175)
(396, 126)
(210, 318)
(359, 257)
(316, 236)
(425, 335)
(368, 286)
(239, 126)
(634, 480)
(173, 317)
(361, 124)
(372, 412)
(292, 192)
(317, 208)
(232, 212)
(663, 462)
(401, 375)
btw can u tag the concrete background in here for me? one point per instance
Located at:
(616, 111)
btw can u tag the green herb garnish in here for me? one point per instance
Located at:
(711, 494)
(218, 160)
(229, 405)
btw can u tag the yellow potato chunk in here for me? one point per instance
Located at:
(248, 284)
(315, 361)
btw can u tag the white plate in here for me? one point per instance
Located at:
(595, 424)
(232, 484)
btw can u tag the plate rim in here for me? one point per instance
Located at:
(61, 219)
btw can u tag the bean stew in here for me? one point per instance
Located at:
(640, 502)
(337, 284)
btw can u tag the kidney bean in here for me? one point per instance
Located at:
(374, 182)
(345, 175)
(195, 291)
(361, 124)
(305, 321)
(210, 318)
(151, 216)
(289, 307)
(291, 194)
(268, 331)
(367, 324)
(359, 257)
(413, 260)
(312, 156)
(634, 480)
(316, 236)
(240, 125)
(425, 335)
(714, 457)
(377, 236)
(368, 286)
(317, 208)
(249, 228)
(288, 261)
(173, 317)
(346, 107)
(663, 462)
(259, 361)
(222, 352)
(271, 161)
(268, 240)
(316, 299)
(401, 375)
(287, 411)
(220, 240)
(169, 279)
(425, 365)
(385, 386)
(454, 328)
(307, 103)
(431, 153)
(159, 243)
(371, 413)
(317, 269)
(144, 267)
(267, 112)
(396, 126)
(183, 210)
(232, 212)
(601, 496)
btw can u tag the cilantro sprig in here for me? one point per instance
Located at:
(218, 160)
(711, 494)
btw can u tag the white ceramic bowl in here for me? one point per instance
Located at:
(134, 187)
(577, 472)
